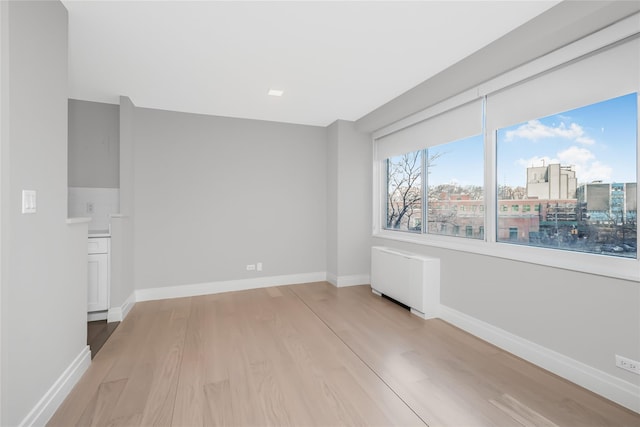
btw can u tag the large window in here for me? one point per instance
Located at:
(453, 196)
(456, 188)
(432, 174)
(579, 167)
(550, 178)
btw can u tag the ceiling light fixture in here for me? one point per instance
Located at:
(275, 92)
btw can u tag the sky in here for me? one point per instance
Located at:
(598, 140)
(460, 162)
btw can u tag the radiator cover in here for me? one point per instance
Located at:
(411, 279)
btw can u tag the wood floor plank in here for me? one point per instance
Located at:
(102, 403)
(150, 365)
(217, 405)
(117, 350)
(314, 354)
(461, 380)
(191, 402)
(279, 366)
(521, 413)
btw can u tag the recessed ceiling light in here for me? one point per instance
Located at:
(275, 92)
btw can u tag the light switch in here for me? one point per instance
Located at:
(28, 201)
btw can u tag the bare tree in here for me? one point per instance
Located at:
(621, 229)
(404, 188)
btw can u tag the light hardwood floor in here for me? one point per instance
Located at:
(313, 354)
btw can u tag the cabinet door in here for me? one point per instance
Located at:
(98, 282)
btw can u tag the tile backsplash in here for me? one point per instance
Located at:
(96, 203)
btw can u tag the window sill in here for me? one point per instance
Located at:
(602, 265)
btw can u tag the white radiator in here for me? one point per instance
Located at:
(411, 279)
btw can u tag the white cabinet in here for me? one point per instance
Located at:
(98, 274)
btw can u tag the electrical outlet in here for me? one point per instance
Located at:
(251, 267)
(259, 266)
(628, 364)
(90, 207)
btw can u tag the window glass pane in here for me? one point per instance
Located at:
(468, 231)
(578, 171)
(456, 188)
(404, 192)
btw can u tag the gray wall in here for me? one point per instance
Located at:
(348, 202)
(213, 194)
(44, 260)
(586, 317)
(122, 235)
(94, 144)
(333, 140)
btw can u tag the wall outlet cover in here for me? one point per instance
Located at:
(628, 364)
(28, 201)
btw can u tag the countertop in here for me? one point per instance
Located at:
(99, 233)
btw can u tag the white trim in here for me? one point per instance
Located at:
(92, 316)
(118, 314)
(622, 392)
(353, 280)
(78, 220)
(226, 286)
(379, 186)
(350, 280)
(583, 262)
(114, 315)
(333, 279)
(53, 398)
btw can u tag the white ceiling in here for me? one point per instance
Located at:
(333, 59)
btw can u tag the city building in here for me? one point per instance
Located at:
(584, 212)
(551, 182)
(608, 203)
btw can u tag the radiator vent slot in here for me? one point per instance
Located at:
(411, 279)
(396, 302)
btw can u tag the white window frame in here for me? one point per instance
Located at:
(606, 265)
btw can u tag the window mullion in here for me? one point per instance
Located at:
(425, 192)
(490, 179)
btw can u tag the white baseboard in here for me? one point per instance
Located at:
(97, 315)
(353, 280)
(332, 278)
(226, 286)
(117, 314)
(53, 398)
(622, 392)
